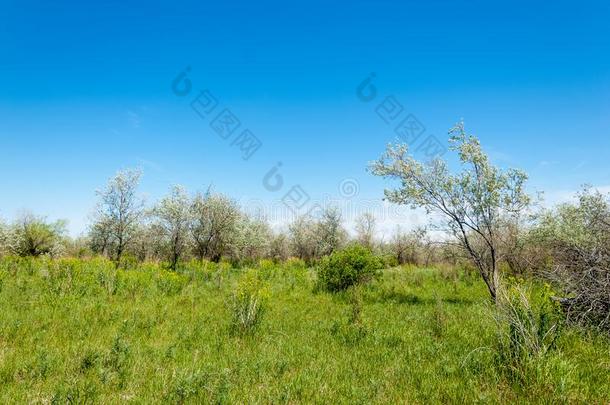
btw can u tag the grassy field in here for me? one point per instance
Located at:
(78, 331)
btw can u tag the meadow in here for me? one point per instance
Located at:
(81, 331)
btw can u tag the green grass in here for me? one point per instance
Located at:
(78, 331)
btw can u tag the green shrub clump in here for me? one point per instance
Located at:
(530, 325)
(248, 302)
(351, 266)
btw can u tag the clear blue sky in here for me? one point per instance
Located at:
(85, 89)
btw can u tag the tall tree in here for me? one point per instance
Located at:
(365, 229)
(171, 217)
(119, 211)
(304, 238)
(330, 231)
(473, 202)
(100, 236)
(253, 239)
(215, 219)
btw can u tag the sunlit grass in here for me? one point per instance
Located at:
(80, 331)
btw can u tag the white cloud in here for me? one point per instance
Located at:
(555, 197)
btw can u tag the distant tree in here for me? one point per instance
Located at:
(100, 236)
(119, 213)
(410, 247)
(79, 246)
(5, 239)
(304, 240)
(171, 218)
(147, 242)
(365, 229)
(34, 236)
(331, 233)
(279, 248)
(214, 224)
(253, 239)
(400, 246)
(473, 202)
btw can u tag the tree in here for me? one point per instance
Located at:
(5, 239)
(119, 212)
(410, 247)
(473, 202)
(34, 236)
(330, 231)
(577, 238)
(214, 225)
(365, 229)
(171, 218)
(279, 248)
(147, 242)
(252, 240)
(100, 236)
(304, 239)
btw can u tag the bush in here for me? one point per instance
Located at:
(351, 266)
(390, 260)
(248, 303)
(267, 268)
(578, 239)
(294, 263)
(529, 327)
(169, 282)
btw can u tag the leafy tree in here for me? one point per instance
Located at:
(365, 229)
(147, 242)
(100, 236)
(214, 225)
(34, 236)
(304, 239)
(279, 248)
(252, 240)
(473, 202)
(119, 213)
(411, 247)
(331, 233)
(171, 219)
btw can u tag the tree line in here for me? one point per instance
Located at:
(491, 225)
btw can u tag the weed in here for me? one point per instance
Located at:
(248, 303)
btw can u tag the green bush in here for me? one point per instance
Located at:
(390, 260)
(248, 302)
(529, 325)
(350, 266)
(293, 263)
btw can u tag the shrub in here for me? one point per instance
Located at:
(439, 318)
(355, 302)
(295, 263)
(390, 260)
(350, 266)
(248, 303)
(187, 386)
(267, 268)
(295, 272)
(35, 236)
(529, 326)
(169, 282)
(578, 239)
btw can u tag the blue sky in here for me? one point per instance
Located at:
(86, 89)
